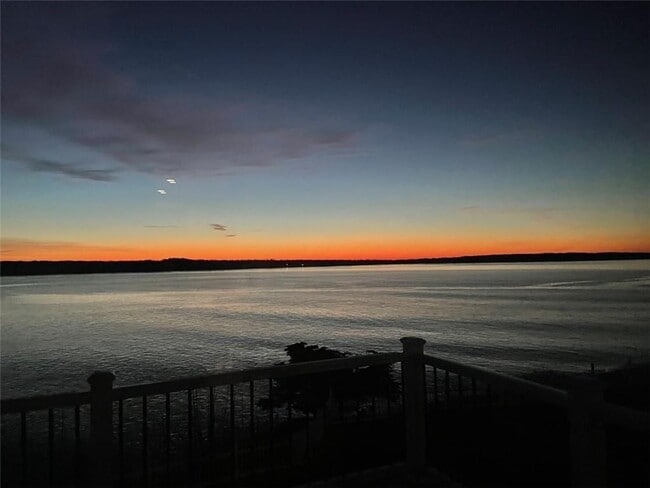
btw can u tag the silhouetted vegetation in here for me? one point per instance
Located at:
(310, 393)
(25, 268)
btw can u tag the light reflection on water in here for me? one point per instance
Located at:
(149, 327)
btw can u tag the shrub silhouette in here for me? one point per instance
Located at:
(309, 393)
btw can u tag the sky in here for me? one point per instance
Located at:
(210, 130)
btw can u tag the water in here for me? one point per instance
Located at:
(56, 330)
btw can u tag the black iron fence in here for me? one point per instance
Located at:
(294, 423)
(491, 429)
(288, 423)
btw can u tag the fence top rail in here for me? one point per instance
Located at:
(254, 374)
(501, 380)
(44, 402)
(62, 400)
(630, 418)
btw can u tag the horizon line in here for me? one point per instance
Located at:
(325, 260)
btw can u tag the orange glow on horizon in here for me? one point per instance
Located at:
(357, 248)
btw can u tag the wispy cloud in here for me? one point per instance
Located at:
(536, 213)
(218, 227)
(66, 169)
(71, 94)
(231, 235)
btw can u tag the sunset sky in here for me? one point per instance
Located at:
(145, 130)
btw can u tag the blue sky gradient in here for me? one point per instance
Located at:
(323, 130)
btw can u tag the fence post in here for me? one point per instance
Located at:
(414, 407)
(101, 428)
(587, 434)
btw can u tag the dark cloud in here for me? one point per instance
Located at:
(218, 227)
(231, 235)
(66, 169)
(68, 92)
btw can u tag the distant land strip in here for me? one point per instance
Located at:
(27, 268)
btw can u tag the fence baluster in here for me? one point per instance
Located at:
(120, 437)
(388, 395)
(233, 433)
(145, 442)
(77, 445)
(307, 434)
(252, 405)
(252, 449)
(167, 432)
(23, 445)
(190, 457)
(446, 388)
(435, 387)
(211, 419)
(271, 413)
(50, 445)
(289, 418)
(357, 407)
(473, 392)
(402, 392)
(426, 395)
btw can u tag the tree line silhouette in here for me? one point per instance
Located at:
(25, 268)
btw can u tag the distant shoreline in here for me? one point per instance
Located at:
(31, 268)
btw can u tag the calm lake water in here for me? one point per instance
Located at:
(56, 330)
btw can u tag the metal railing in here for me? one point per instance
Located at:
(579, 417)
(150, 429)
(141, 434)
